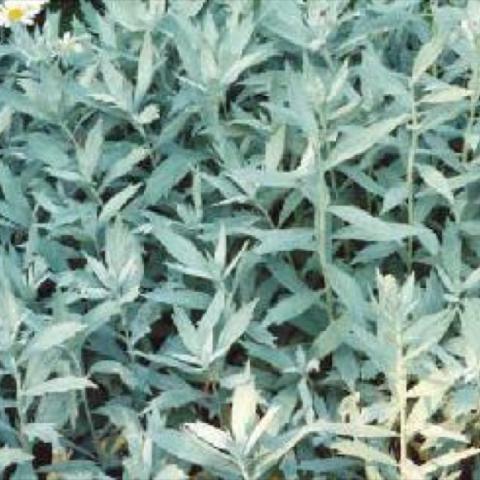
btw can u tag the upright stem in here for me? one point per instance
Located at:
(127, 334)
(402, 399)
(79, 367)
(323, 198)
(321, 235)
(22, 419)
(401, 392)
(473, 103)
(410, 168)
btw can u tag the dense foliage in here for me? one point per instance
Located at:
(239, 239)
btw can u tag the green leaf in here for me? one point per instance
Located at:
(449, 93)
(348, 290)
(9, 456)
(124, 166)
(283, 240)
(186, 330)
(435, 179)
(262, 427)
(244, 407)
(234, 328)
(427, 56)
(117, 85)
(145, 69)
(473, 280)
(290, 307)
(364, 451)
(5, 118)
(338, 82)
(261, 54)
(193, 451)
(89, 157)
(111, 367)
(368, 228)
(329, 339)
(59, 385)
(274, 149)
(215, 437)
(16, 202)
(75, 469)
(52, 336)
(183, 250)
(11, 317)
(426, 332)
(394, 197)
(271, 456)
(447, 460)
(180, 297)
(208, 321)
(169, 173)
(46, 432)
(117, 202)
(362, 139)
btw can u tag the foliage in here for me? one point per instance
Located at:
(239, 240)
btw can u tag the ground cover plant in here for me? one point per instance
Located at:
(240, 240)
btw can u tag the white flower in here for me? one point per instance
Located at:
(20, 11)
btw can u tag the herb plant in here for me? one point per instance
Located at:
(239, 239)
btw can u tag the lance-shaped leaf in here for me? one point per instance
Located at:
(51, 336)
(361, 139)
(145, 69)
(244, 407)
(234, 328)
(364, 226)
(191, 449)
(59, 385)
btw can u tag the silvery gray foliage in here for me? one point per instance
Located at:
(239, 240)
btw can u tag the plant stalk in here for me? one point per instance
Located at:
(403, 432)
(401, 394)
(321, 235)
(410, 177)
(323, 199)
(22, 419)
(473, 103)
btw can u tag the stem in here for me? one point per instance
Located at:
(473, 103)
(402, 402)
(326, 145)
(401, 396)
(78, 365)
(323, 199)
(403, 428)
(127, 333)
(321, 234)
(22, 420)
(410, 168)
